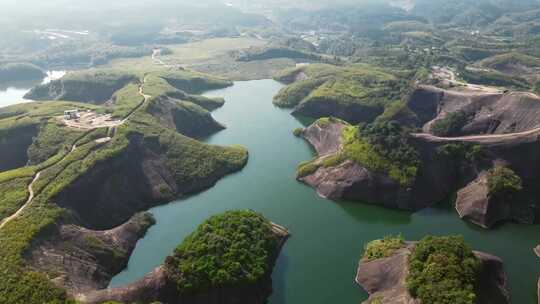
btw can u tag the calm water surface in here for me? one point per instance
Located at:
(318, 263)
(12, 93)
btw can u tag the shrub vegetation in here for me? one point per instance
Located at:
(443, 270)
(503, 182)
(194, 166)
(233, 248)
(450, 125)
(382, 148)
(383, 248)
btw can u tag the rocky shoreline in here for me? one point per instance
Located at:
(156, 287)
(438, 176)
(385, 279)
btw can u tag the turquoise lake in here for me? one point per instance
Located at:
(318, 263)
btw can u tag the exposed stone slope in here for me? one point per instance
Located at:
(155, 286)
(439, 175)
(80, 259)
(486, 113)
(384, 279)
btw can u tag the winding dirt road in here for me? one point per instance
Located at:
(31, 193)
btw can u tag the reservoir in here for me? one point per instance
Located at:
(319, 261)
(12, 93)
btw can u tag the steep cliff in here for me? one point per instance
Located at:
(215, 282)
(79, 259)
(94, 87)
(360, 171)
(387, 278)
(20, 72)
(461, 112)
(149, 171)
(186, 117)
(14, 143)
(357, 93)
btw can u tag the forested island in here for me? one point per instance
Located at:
(421, 118)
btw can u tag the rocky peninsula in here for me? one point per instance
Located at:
(392, 271)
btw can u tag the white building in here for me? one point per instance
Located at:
(71, 114)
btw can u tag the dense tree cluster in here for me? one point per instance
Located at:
(233, 248)
(443, 270)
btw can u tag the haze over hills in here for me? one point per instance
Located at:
(151, 151)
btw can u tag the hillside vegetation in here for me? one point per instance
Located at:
(192, 165)
(321, 90)
(20, 72)
(231, 249)
(443, 270)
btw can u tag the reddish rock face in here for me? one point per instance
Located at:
(156, 287)
(488, 112)
(325, 138)
(384, 279)
(438, 177)
(474, 204)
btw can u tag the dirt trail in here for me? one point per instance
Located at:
(73, 148)
(28, 201)
(478, 138)
(146, 98)
(31, 190)
(449, 75)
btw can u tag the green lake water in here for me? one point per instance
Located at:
(318, 263)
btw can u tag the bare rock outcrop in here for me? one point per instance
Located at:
(486, 112)
(384, 279)
(474, 204)
(79, 259)
(155, 286)
(324, 137)
(439, 175)
(352, 181)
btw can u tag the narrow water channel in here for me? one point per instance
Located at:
(318, 263)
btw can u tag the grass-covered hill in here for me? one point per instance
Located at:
(501, 62)
(470, 12)
(99, 178)
(87, 86)
(356, 93)
(519, 66)
(229, 258)
(20, 72)
(29, 134)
